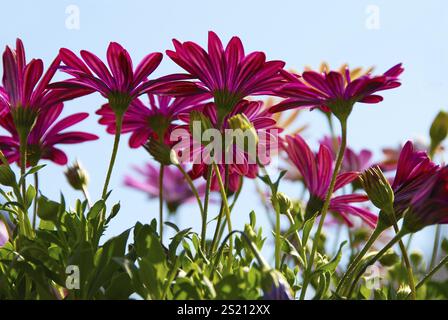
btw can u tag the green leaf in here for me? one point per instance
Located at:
(333, 263)
(307, 227)
(95, 210)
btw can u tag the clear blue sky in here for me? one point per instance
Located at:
(298, 32)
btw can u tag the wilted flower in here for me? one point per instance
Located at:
(429, 205)
(334, 91)
(175, 189)
(228, 75)
(317, 170)
(45, 135)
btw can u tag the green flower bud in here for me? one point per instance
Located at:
(285, 204)
(403, 292)
(378, 189)
(242, 128)
(198, 124)
(416, 257)
(390, 258)
(7, 176)
(439, 129)
(77, 176)
(161, 152)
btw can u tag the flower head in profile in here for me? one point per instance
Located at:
(46, 134)
(120, 83)
(414, 169)
(149, 120)
(430, 204)
(335, 91)
(316, 170)
(226, 74)
(26, 91)
(175, 189)
(238, 156)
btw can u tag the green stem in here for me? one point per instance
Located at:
(407, 264)
(205, 211)
(325, 206)
(36, 186)
(394, 240)
(195, 192)
(118, 125)
(435, 249)
(277, 216)
(432, 272)
(217, 235)
(375, 234)
(227, 212)
(162, 167)
(299, 241)
(85, 192)
(23, 217)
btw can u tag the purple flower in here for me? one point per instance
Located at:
(430, 204)
(414, 169)
(316, 170)
(45, 135)
(25, 84)
(149, 120)
(352, 161)
(175, 189)
(226, 74)
(4, 235)
(334, 91)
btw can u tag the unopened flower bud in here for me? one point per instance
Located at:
(7, 176)
(378, 189)
(439, 129)
(416, 257)
(242, 128)
(284, 202)
(199, 123)
(161, 152)
(77, 176)
(403, 292)
(390, 258)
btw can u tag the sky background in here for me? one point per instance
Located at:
(299, 32)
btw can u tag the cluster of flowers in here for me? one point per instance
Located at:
(216, 89)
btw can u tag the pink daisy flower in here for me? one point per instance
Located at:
(414, 169)
(317, 170)
(120, 83)
(334, 91)
(152, 120)
(25, 85)
(175, 189)
(226, 74)
(430, 204)
(45, 135)
(353, 161)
